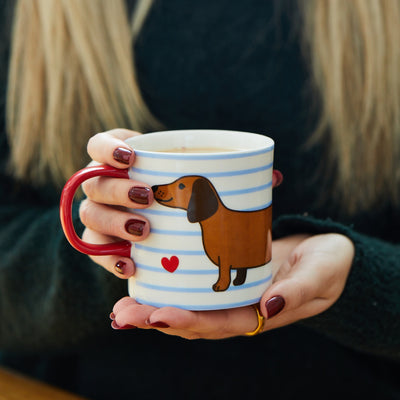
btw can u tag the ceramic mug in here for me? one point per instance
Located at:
(210, 240)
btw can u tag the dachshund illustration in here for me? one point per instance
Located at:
(231, 239)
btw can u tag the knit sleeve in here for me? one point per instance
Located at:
(51, 296)
(367, 315)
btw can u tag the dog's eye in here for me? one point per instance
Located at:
(181, 186)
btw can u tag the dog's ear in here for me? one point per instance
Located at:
(203, 202)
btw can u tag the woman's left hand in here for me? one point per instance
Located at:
(311, 275)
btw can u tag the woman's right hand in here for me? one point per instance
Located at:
(104, 211)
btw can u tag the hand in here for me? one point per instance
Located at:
(104, 211)
(310, 277)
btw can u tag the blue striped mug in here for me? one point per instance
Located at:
(210, 240)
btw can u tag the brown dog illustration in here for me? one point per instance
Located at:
(232, 239)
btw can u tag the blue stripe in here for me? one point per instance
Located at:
(175, 233)
(245, 191)
(182, 213)
(200, 290)
(150, 268)
(175, 252)
(218, 174)
(203, 156)
(201, 307)
(179, 213)
(258, 208)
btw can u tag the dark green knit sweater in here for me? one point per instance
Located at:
(206, 64)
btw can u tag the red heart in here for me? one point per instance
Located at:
(170, 264)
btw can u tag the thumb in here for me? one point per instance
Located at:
(292, 298)
(309, 280)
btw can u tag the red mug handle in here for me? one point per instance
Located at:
(122, 248)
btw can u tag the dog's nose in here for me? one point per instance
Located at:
(154, 188)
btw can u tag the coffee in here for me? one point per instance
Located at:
(184, 149)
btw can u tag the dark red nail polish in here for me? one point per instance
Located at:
(159, 324)
(122, 155)
(139, 194)
(120, 267)
(135, 227)
(115, 326)
(112, 316)
(274, 305)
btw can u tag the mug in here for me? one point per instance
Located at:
(210, 241)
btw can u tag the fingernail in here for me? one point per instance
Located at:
(135, 227)
(139, 194)
(122, 155)
(120, 267)
(112, 316)
(115, 326)
(159, 324)
(274, 305)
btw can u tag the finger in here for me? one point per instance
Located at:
(122, 267)
(306, 310)
(283, 250)
(277, 178)
(309, 281)
(122, 303)
(287, 294)
(317, 268)
(123, 192)
(205, 324)
(297, 296)
(110, 148)
(132, 313)
(112, 222)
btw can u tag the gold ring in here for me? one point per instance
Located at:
(260, 320)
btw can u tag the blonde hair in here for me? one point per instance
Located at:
(72, 73)
(354, 53)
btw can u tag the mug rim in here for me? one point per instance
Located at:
(253, 143)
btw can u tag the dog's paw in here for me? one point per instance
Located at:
(240, 277)
(217, 287)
